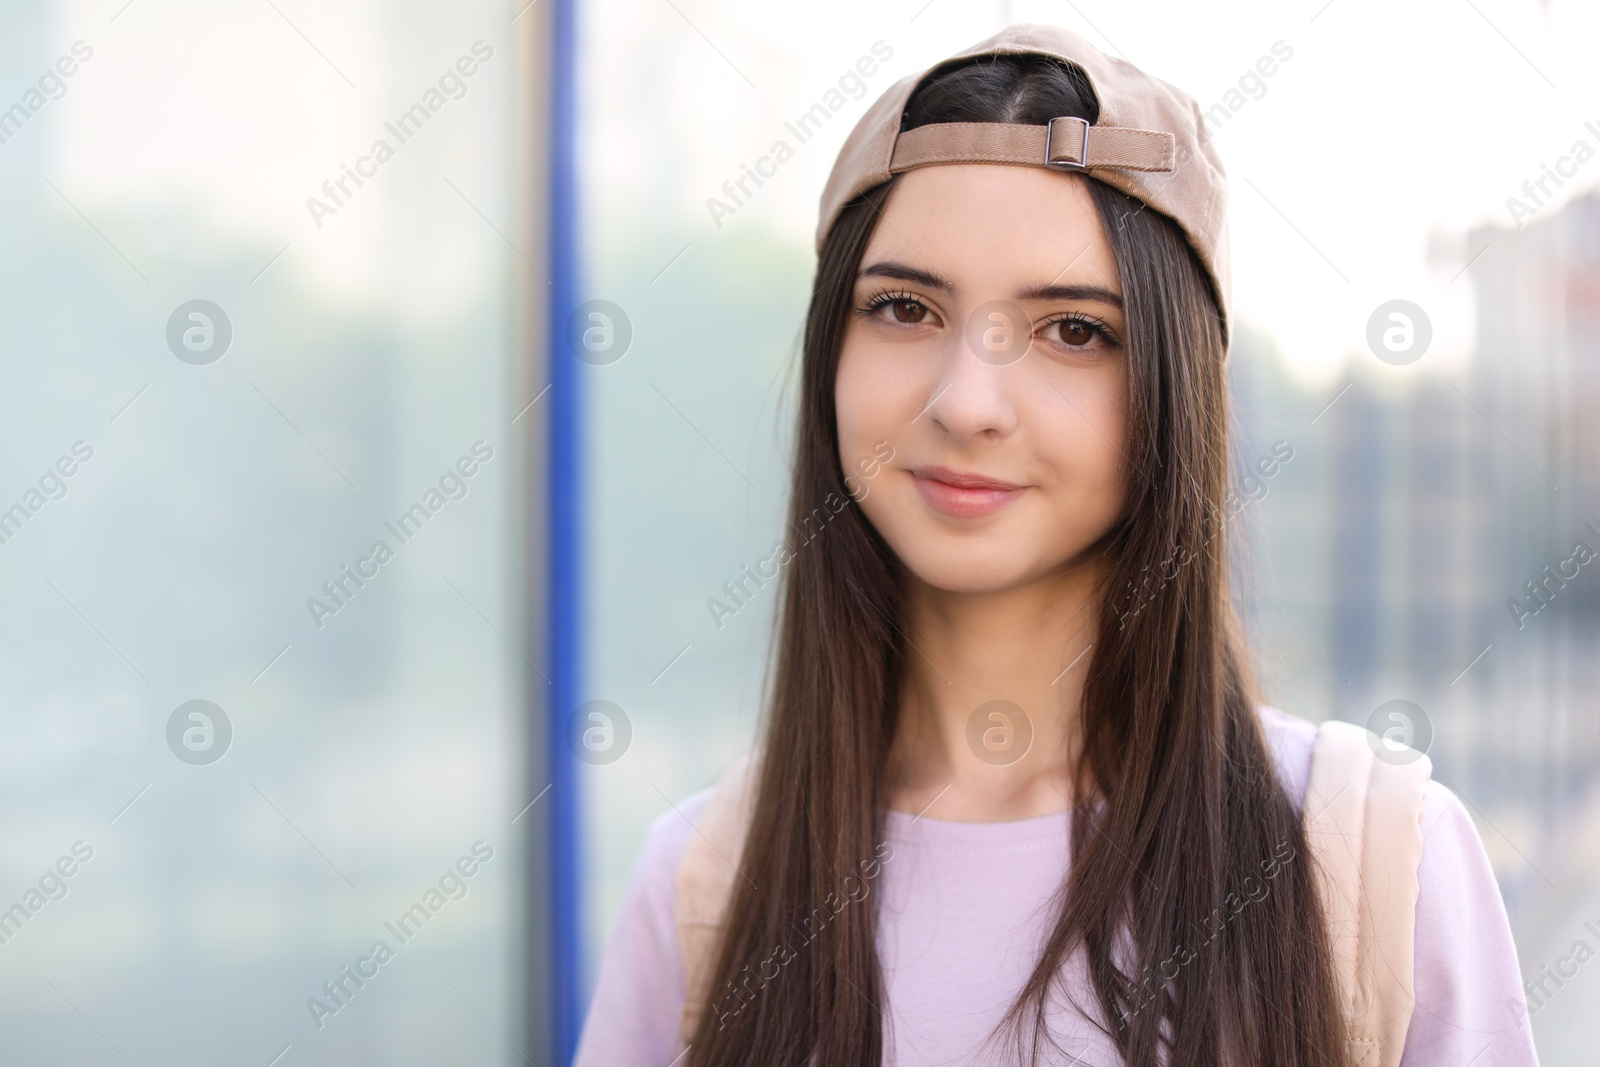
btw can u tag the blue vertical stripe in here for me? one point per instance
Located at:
(565, 524)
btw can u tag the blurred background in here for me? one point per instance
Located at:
(372, 324)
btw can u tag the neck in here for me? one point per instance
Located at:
(1018, 655)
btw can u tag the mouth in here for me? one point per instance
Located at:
(962, 494)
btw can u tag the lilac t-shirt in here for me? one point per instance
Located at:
(964, 908)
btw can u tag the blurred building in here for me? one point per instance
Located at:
(1430, 542)
(1530, 728)
(1446, 498)
(1535, 376)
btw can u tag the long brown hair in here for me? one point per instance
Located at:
(1177, 806)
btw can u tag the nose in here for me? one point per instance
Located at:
(971, 397)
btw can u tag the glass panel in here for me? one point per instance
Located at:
(263, 652)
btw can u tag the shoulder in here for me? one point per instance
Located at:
(1466, 977)
(639, 992)
(1444, 816)
(1290, 739)
(1468, 981)
(666, 838)
(649, 903)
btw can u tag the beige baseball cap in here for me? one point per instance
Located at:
(1149, 142)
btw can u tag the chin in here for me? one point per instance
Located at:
(970, 568)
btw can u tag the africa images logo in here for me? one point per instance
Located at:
(804, 127)
(453, 484)
(453, 884)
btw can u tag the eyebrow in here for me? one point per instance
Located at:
(901, 272)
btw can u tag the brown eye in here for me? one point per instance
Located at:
(1080, 331)
(909, 311)
(1077, 333)
(903, 309)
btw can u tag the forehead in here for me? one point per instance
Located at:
(986, 226)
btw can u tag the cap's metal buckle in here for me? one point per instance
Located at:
(1066, 164)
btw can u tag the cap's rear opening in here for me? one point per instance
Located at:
(1027, 89)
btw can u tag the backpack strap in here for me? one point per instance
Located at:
(1363, 823)
(706, 875)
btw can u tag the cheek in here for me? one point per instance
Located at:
(1083, 440)
(874, 399)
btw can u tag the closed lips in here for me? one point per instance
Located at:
(964, 495)
(964, 481)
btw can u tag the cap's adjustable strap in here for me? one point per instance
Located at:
(1065, 142)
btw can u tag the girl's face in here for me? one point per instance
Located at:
(984, 354)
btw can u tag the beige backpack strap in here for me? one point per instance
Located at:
(1363, 821)
(706, 876)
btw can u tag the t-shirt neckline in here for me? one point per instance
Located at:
(901, 826)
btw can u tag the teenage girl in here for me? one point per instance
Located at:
(1016, 800)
